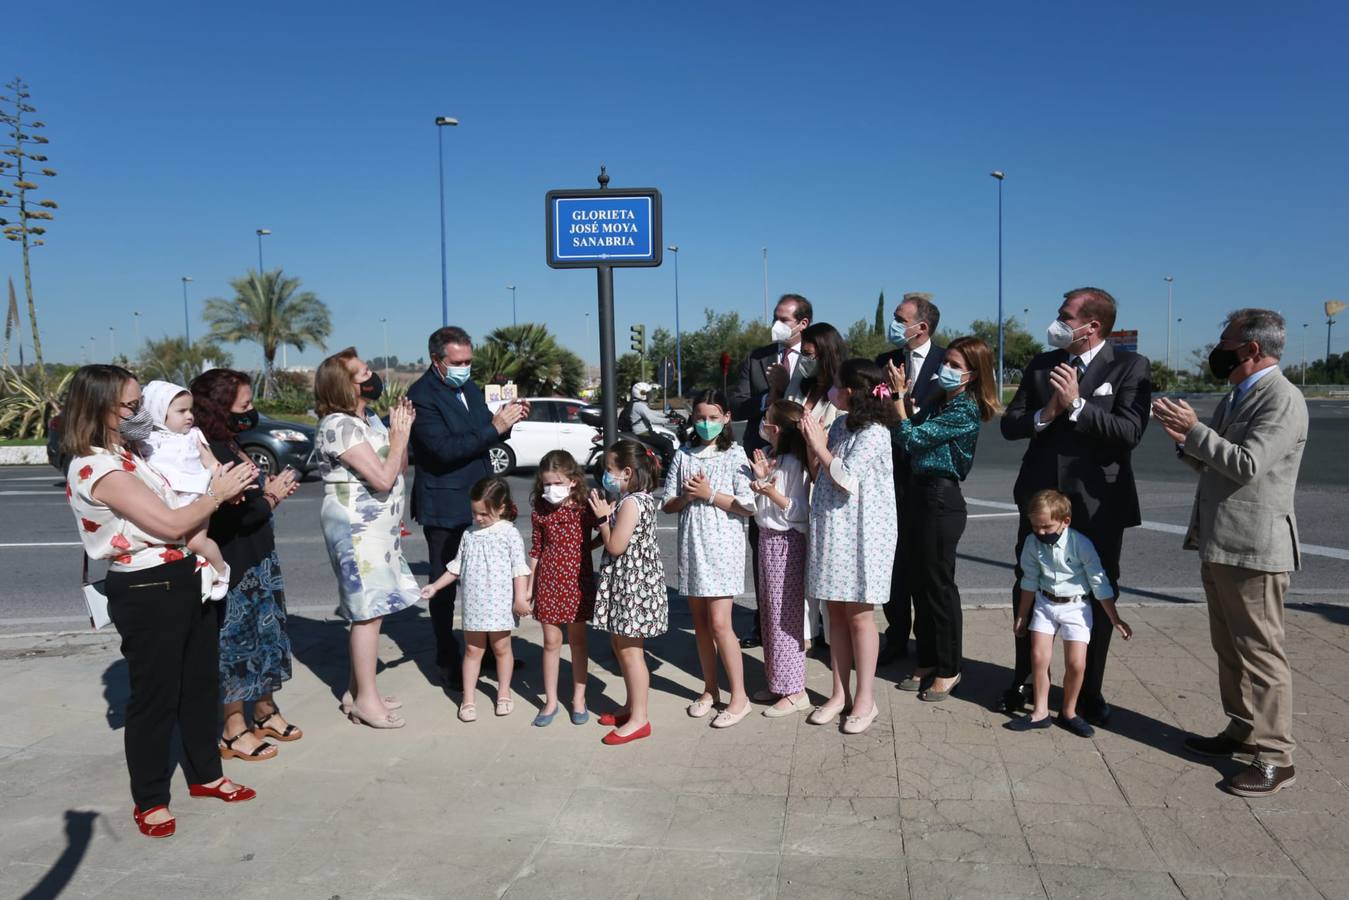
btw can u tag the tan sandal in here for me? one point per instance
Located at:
(392, 720)
(262, 730)
(468, 712)
(505, 706)
(390, 702)
(260, 752)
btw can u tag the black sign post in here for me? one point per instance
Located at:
(604, 230)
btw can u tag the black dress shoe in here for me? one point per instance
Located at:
(1260, 780)
(1098, 714)
(1221, 745)
(751, 641)
(1014, 700)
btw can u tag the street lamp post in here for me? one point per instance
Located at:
(262, 233)
(1304, 353)
(1179, 319)
(441, 122)
(112, 344)
(385, 324)
(765, 284)
(999, 175)
(1169, 281)
(679, 336)
(187, 330)
(514, 319)
(136, 318)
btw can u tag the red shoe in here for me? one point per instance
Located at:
(238, 795)
(613, 738)
(157, 829)
(615, 719)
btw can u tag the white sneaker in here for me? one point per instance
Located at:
(220, 586)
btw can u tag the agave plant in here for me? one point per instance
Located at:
(28, 403)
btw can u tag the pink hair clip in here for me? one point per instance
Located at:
(882, 391)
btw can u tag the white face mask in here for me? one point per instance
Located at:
(1060, 334)
(781, 331)
(764, 434)
(556, 494)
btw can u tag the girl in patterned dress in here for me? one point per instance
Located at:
(630, 599)
(491, 563)
(708, 485)
(782, 483)
(562, 576)
(853, 524)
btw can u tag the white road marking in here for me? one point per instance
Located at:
(42, 544)
(54, 492)
(1001, 515)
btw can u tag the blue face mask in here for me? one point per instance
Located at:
(897, 333)
(708, 431)
(610, 483)
(950, 379)
(457, 376)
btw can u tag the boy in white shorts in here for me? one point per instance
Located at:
(1061, 570)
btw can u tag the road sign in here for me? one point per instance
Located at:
(619, 227)
(1123, 340)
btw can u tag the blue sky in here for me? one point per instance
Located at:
(1207, 141)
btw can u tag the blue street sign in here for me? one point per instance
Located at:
(604, 228)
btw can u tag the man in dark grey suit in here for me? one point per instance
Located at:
(772, 364)
(1083, 407)
(919, 356)
(1244, 528)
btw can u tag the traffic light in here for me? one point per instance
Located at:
(638, 339)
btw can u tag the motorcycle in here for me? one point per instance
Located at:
(593, 415)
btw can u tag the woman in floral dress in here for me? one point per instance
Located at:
(362, 465)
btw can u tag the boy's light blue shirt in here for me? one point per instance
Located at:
(1070, 567)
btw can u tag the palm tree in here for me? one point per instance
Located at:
(529, 356)
(269, 308)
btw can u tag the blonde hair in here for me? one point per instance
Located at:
(1051, 501)
(334, 391)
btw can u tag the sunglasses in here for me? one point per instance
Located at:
(133, 405)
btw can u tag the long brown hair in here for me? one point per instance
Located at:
(830, 351)
(630, 454)
(981, 386)
(213, 394)
(95, 391)
(334, 391)
(787, 416)
(563, 463)
(712, 397)
(862, 377)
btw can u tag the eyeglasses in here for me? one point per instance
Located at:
(133, 405)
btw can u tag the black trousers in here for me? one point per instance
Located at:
(934, 510)
(1108, 542)
(442, 545)
(171, 644)
(899, 608)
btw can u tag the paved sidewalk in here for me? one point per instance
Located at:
(936, 800)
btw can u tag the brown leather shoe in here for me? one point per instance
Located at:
(1218, 745)
(1260, 780)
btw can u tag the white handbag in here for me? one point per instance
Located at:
(95, 599)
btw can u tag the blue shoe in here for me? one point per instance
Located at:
(542, 721)
(1078, 726)
(1026, 723)
(580, 718)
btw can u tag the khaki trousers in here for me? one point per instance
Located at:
(1245, 614)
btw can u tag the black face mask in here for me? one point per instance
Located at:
(244, 421)
(1048, 539)
(1223, 363)
(372, 388)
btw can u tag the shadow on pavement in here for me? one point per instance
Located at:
(79, 832)
(116, 690)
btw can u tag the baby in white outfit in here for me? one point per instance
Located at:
(178, 451)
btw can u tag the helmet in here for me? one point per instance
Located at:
(640, 389)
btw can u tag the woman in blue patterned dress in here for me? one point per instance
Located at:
(362, 463)
(941, 451)
(852, 525)
(254, 646)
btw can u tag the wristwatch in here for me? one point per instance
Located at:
(1078, 404)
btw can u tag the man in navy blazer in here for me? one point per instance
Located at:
(450, 438)
(919, 357)
(1083, 407)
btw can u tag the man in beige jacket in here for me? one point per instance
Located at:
(1246, 534)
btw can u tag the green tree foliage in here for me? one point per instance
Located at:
(269, 309)
(1333, 370)
(864, 342)
(881, 316)
(529, 356)
(170, 359)
(1019, 346)
(721, 332)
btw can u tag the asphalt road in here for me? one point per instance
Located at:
(40, 556)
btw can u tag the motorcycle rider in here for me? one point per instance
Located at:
(640, 419)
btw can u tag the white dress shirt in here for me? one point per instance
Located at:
(1069, 567)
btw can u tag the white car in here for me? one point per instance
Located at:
(552, 424)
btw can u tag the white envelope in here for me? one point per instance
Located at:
(1104, 390)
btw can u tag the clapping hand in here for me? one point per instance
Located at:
(1063, 379)
(777, 378)
(763, 466)
(1176, 417)
(898, 378)
(698, 487)
(401, 416)
(600, 506)
(816, 438)
(228, 481)
(279, 487)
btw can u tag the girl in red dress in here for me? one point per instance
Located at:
(562, 576)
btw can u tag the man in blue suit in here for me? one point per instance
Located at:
(450, 438)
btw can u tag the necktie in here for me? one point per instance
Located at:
(1079, 366)
(782, 360)
(915, 365)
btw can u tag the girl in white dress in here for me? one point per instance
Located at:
(495, 574)
(853, 524)
(709, 486)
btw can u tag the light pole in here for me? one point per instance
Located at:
(441, 122)
(385, 324)
(262, 233)
(514, 319)
(1304, 354)
(136, 318)
(999, 175)
(112, 344)
(679, 336)
(1178, 340)
(1169, 281)
(187, 331)
(765, 284)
